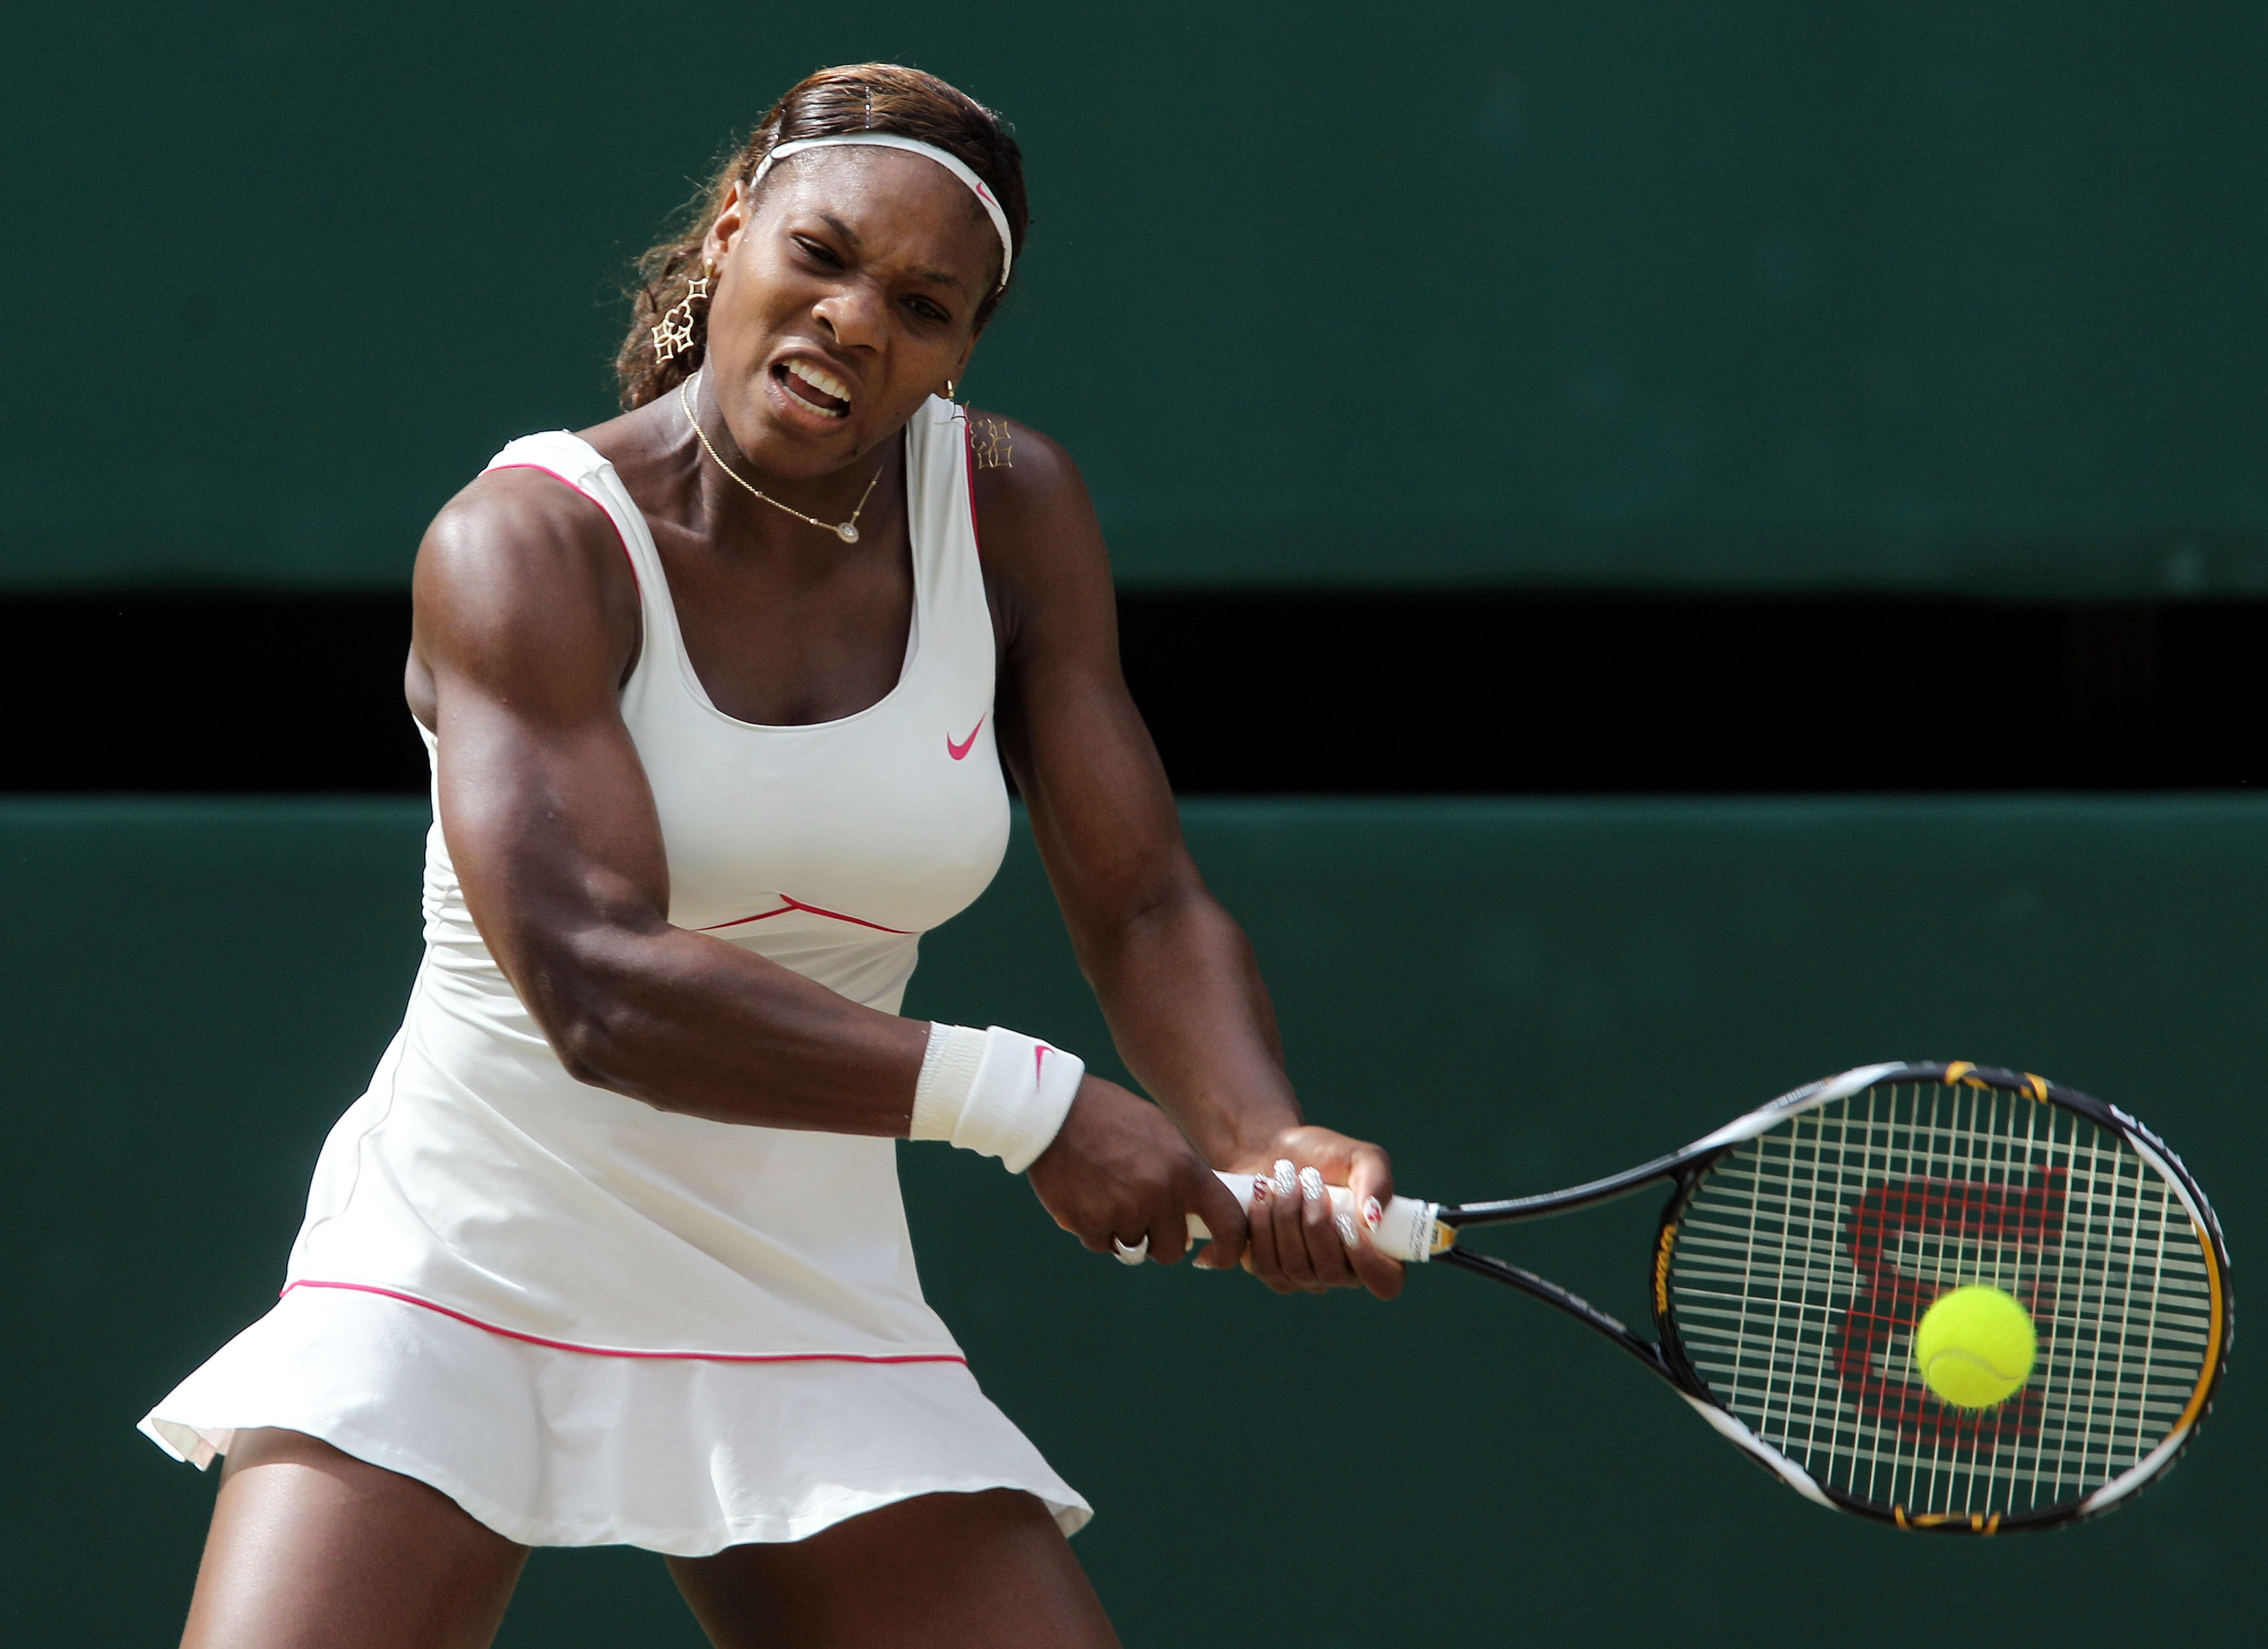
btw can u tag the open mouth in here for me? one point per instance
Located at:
(815, 388)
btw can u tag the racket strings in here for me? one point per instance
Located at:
(1805, 1257)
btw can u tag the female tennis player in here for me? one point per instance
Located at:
(717, 695)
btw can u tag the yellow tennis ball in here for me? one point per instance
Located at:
(1974, 1347)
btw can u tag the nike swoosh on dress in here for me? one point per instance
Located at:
(959, 750)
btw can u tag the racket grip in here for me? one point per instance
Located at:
(1407, 1229)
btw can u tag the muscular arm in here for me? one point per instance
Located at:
(526, 620)
(1174, 973)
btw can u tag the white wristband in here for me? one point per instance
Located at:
(994, 1092)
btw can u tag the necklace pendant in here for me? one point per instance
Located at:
(848, 532)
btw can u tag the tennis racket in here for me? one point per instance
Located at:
(1800, 1244)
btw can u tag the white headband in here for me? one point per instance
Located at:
(912, 146)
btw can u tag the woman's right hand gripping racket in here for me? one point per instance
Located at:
(1803, 1245)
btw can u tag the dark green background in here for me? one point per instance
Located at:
(1512, 995)
(1919, 294)
(1888, 293)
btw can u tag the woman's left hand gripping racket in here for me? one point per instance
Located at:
(1803, 1243)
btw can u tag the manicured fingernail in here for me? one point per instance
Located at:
(1261, 1186)
(1371, 1213)
(1287, 1179)
(1347, 1233)
(1311, 1184)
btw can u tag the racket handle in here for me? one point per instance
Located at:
(1407, 1229)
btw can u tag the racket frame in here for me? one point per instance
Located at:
(1666, 1356)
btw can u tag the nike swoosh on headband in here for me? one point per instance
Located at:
(912, 146)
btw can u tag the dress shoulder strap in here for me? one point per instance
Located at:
(940, 514)
(560, 451)
(570, 459)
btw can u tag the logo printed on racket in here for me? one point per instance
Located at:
(1828, 1193)
(1963, 1213)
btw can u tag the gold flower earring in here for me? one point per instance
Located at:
(674, 335)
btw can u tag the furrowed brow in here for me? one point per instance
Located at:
(935, 277)
(843, 229)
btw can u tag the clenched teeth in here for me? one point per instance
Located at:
(824, 383)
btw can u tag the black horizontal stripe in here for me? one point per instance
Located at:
(1250, 692)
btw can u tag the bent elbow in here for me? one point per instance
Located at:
(602, 1049)
(592, 1040)
(578, 1053)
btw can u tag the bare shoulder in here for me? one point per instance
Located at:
(509, 524)
(1019, 474)
(1040, 543)
(517, 563)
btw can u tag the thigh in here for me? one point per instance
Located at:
(939, 1570)
(310, 1546)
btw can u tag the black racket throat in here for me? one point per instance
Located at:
(1562, 1300)
(1614, 1187)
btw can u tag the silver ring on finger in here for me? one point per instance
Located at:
(1131, 1255)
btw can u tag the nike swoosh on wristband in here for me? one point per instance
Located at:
(1040, 1054)
(959, 750)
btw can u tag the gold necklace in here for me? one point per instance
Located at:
(847, 531)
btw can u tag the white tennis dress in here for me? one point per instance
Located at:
(589, 1322)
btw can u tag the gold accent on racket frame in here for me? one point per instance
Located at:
(1976, 1522)
(2219, 1327)
(2119, 1133)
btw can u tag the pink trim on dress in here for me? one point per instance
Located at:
(608, 1350)
(545, 469)
(798, 904)
(969, 474)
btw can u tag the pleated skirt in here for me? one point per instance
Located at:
(555, 1448)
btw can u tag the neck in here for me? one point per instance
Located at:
(733, 486)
